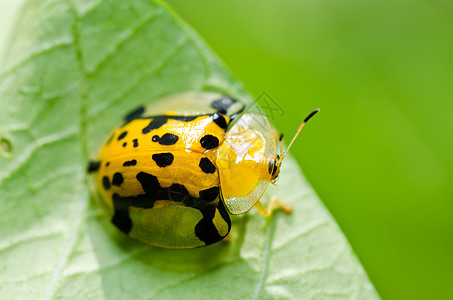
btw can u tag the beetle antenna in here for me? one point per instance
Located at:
(299, 130)
(280, 143)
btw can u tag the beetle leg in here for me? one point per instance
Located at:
(275, 203)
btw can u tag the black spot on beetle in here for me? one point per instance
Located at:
(129, 163)
(209, 195)
(105, 182)
(178, 192)
(154, 124)
(117, 179)
(163, 159)
(155, 138)
(220, 120)
(121, 218)
(107, 164)
(205, 229)
(93, 166)
(209, 142)
(124, 144)
(149, 183)
(135, 114)
(223, 104)
(168, 139)
(158, 121)
(135, 141)
(206, 165)
(122, 135)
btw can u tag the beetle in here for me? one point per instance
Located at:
(172, 173)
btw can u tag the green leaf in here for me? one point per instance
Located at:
(72, 71)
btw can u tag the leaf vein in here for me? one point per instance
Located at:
(26, 156)
(18, 241)
(141, 78)
(46, 49)
(125, 38)
(196, 276)
(118, 262)
(301, 234)
(267, 253)
(68, 248)
(91, 8)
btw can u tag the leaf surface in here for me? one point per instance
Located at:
(73, 69)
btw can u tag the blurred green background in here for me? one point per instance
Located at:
(380, 152)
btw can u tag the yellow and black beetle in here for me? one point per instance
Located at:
(171, 173)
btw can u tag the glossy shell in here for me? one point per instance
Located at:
(161, 175)
(242, 160)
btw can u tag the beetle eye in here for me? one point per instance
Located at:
(274, 172)
(273, 166)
